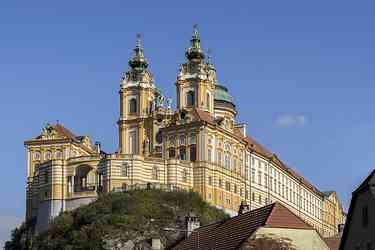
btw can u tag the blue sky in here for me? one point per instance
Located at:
(301, 73)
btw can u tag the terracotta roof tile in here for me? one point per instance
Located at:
(64, 131)
(204, 116)
(231, 233)
(281, 217)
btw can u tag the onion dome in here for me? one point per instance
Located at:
(223, 98)
(138, 62)
(195, 53)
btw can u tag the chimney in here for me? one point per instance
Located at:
(98, 147)
(244, 208)
(192, 223)
(242, 127)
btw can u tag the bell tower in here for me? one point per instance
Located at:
(196, 79)
(137, 92)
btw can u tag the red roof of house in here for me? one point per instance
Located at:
(231, 233)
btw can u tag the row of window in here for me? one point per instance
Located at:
(190, 99)
(181, 140)
(282, 190)
(182, 155)
(47, 155)
(155, 172)
(270, 178)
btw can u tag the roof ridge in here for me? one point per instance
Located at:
(366, 182)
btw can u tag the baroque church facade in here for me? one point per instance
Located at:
(198, 146)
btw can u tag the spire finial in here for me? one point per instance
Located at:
(195, 52)
(138, 42)
(195, 31)
(209, 56)
(138, 61)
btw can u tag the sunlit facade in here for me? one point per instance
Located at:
(197, 146)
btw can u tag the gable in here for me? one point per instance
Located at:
(298, 238)
(281, 217)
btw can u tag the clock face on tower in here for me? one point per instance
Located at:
(159, 137)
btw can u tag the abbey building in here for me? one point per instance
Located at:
(198, 146)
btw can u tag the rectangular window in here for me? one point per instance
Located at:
(265, 180)
(253, 175)
(219, 158)
(209, 155)
(260, 199)
(193, 152)
(182, 153)
(227, 186)
(185, 176)
(124, 170)
(182, 140)
(210, 180)
(259, 178)
(220, 183)
(235, 188)
(253, 196)
(155, 173)
(227, 161)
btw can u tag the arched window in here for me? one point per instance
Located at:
(48, 155)
(172, 152)
(133, 105)
(190, 98)
(37, 156)
(182, 153)
(58, 154)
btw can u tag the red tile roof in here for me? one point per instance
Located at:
(64, 131)
(231, 233)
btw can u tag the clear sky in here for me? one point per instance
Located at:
(301, 72)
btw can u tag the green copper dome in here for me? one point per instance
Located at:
(221, 94)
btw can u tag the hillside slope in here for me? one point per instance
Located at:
(120, 221)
